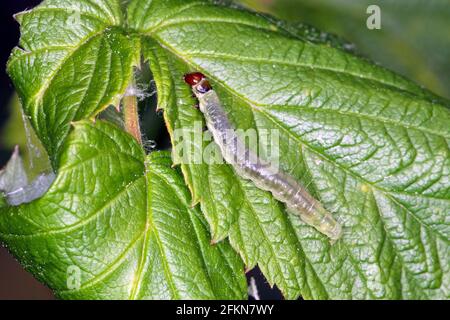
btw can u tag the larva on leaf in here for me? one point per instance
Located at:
(249, 166)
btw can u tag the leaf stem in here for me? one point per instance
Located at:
(131, 116)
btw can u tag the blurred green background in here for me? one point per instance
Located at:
(414, 40)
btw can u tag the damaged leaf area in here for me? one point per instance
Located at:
(369, 144)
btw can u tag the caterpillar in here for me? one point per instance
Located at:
(249, 166)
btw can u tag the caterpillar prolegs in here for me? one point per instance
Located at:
(249, 166)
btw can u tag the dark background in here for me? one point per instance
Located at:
(15, 283)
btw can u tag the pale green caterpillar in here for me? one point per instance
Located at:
(247, 164)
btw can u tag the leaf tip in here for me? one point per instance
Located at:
(19, 16)
(16, 150)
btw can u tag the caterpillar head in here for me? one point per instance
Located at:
(200, 85)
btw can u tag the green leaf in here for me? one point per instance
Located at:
(414, 34)
(369, 144)
(123, 222)
(74, 60)
(17, 132)
(372, 146)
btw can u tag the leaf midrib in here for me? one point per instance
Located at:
(403, 264)
(109, 268)
(55, 9)
(387, 193)
(323, 156)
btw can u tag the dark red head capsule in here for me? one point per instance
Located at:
(194, 78)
